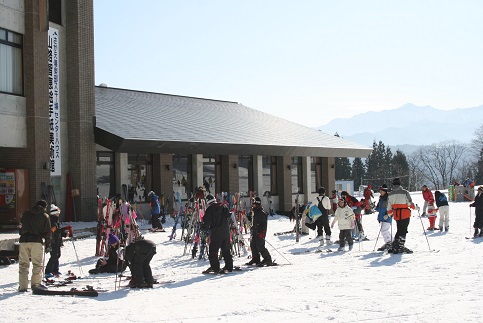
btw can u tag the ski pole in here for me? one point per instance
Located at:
(77, 256)
(470, 223)
(377, 238)
(277, 251)
(424, 231)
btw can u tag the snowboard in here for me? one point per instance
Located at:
(88, 292)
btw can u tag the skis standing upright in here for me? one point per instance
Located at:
(178, 215)
(297, 218)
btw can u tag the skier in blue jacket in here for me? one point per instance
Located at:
(384, 219)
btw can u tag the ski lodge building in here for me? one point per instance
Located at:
(65, 138)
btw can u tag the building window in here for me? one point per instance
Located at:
(297, 177)
(11, 69)
(245, 173)
(182, 175)
(315, 174)
(55, 11)
(105, 174)
(269, 174)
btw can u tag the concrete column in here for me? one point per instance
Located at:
(197, 170)
(258, 174)
(284, 183)
(328, 174)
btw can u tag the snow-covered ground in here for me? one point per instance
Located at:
(313, 287)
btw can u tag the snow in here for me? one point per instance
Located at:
(312, 287)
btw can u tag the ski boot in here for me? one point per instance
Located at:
(481, 232)
(340, 249)
(446, 229)
(253, 262)
(385, 246)
(266, 262)
(350, 247)
(475, 235)
(440, 229)
(327, 241)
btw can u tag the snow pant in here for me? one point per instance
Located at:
(53, 263)
(140, 268)
(402, 228)
(156, 224)
(345, 235)
(478, 220)
(215, 246)
(257, 245)
(425, 206)
(386, 231)
(444, 216)
(323, 225)
(432, 221)
(30, 251)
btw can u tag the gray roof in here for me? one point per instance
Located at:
(144, 122)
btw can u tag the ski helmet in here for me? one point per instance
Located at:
(210, 199)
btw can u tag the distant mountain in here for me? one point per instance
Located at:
(408, 125)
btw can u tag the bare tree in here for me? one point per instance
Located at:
(439, 162)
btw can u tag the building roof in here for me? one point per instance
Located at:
(144, 122)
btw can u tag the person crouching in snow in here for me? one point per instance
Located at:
(345, 217)
(443, 207)
(52, 268)
(138, 257)
(112, 264)
(384, 219)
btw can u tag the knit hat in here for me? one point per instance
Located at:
(210, 199)
(112, 239)
(257, 201)
(41, 203)
(396, 181)
(54, 210)
(383, 188)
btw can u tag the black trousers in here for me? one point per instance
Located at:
(214, 248)
(402, 228)
(323, 223)
(140, 268)
(345, 235)
(257, 245)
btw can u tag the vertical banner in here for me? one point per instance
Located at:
(54, 100)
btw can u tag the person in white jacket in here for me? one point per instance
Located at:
(345, 217)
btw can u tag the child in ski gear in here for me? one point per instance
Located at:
(258, 234)
(384, 219)
(428, 197)
(138, 256)
(367, 197)
(216, 220)
(429, 207)
(155, 212)
(112, 264)
(345, 217)
(334, 199)
(35, 232)
(355, 205)
(443, 207)
(322, 222)
(478, 205)
(399, 205)
(52, 268)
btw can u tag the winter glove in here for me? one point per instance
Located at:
(261, 234)
(67, 231)
(387, 216)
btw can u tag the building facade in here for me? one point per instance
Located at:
(78, 141)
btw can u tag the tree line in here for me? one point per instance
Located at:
(437, 165)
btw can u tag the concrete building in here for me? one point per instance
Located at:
(81, 140)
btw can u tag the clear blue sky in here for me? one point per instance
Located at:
(305, 61)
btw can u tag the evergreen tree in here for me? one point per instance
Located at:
(400, 167)
(358, 171)
(479, 169)
(342, 168)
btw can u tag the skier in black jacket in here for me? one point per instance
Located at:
(216, 220)
(259, 231)
(478, 205)
(138, 256)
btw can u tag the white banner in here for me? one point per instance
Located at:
(54, 101)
